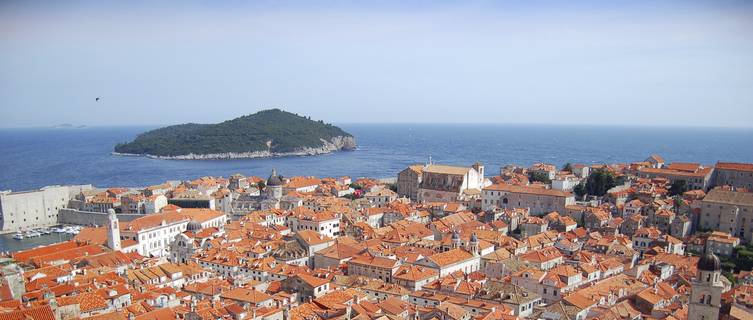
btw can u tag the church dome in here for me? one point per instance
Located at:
(455, 235)
(709, 262)
(274, 179)
(474, 238)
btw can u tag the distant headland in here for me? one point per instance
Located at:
(267, 133)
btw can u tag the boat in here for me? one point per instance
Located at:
(18, 236)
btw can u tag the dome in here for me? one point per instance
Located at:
(274, 179)
(709, 262)
(474, 238)
(455, 235)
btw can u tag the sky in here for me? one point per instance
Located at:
(656, 63)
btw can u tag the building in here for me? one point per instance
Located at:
(408, 181)
(37, 208)
(326, 223)
(381, 198)
(414, 277)
(721, 243)
(113, 231)
(270, 198)
(374, 267)
(466, 260)
(728, 211)
(706, 295)
(738, 175)
(538, 200)
(154, 232)
(695, 175)
(442, 183)
(192, 198)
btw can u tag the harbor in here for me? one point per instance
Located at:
(12, 242)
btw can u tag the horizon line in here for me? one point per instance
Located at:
(628, 125)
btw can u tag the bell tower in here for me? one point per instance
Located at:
(113, 232)
(706, 296)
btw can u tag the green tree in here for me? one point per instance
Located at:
(580, 190)
(567, 167)
(599, 182)
(678, 187)
(539, 176)
(261, 185)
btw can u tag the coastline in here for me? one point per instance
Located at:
(339, 143)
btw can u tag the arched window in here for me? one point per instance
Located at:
(504, 200)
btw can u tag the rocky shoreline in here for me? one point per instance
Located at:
(338, 143)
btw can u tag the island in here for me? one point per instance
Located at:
(267, 133)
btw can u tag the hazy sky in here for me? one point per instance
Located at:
(651, 63)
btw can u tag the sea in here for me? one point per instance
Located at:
(34, 158)
(38, 157)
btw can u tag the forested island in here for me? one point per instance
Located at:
(267, 133)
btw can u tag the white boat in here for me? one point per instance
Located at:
(18, 236)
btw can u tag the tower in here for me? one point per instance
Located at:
(473, 244)
(274, 186)
(706, 296)
(113, 233)
(455, 240)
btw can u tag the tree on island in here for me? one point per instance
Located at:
(567, 167)
(539, 176)
(599, 182)
(678, 187)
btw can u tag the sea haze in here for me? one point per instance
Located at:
(33, 158)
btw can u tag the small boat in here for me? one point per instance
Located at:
(18, 236)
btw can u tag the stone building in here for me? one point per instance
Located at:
(738, 175)
(35, 209)
(408, 181)
(441, 183)
(706, 295)
(540, 201)
(695, 175)
(728, 211)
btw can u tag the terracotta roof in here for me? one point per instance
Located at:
(747, 167)
(246, 295)
(729, 197)
(35, 313)
(153, 220)
(450, 257)
(444, 169)
(414, 273)
(90, 301)
(527, 190)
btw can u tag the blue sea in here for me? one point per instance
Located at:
(33, 158)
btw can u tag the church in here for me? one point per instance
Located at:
(269, 198)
